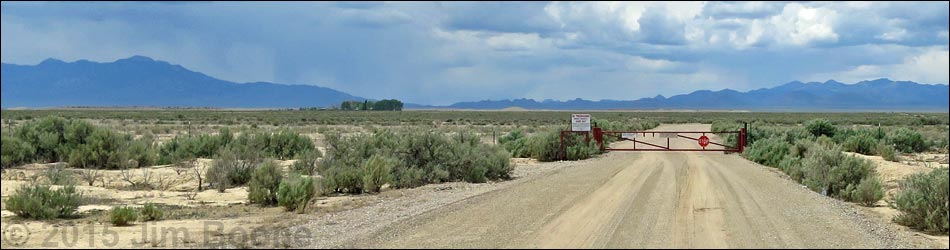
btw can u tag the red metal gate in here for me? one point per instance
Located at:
(640, 142)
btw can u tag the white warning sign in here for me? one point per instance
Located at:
(580, 122)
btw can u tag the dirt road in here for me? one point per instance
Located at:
(642, 200)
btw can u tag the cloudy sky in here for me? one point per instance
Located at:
(440, 53)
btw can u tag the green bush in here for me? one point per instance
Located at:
(409, 177)
(861, 144)
(306, 163)
(544, 146)
(887, 152)
(769, 152)
(123, 216)
(344, 180)
(81, 144)
(285, 144)
(262, 188)
(578, 148)
(793, 167)
(494, 160)
(151, 212)
(295, 193)
(830, 172)
(514, 142)
(907, 141)
(282, 144)
(143, 151)
(417, 158)
(231, 169)
(868, 192)
(922, 201)
(47, 136)
(820, 127)
(377, 171)
(41, 202)
(15, 152)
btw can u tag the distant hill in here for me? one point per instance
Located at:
(142, 81)
(876, 95)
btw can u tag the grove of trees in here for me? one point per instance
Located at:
(381, 105)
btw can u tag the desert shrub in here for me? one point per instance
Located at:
(793, 167)
(514, 142)
(123, 216)
(769, 152)
(494, 160)
(416, 158)
(231, 169)
(861, 144)
(830, 172)
(295, 193)
(262, 187)
(544, 146)
(868, 192)
(151, 212)
(922, 201)
(36, 201)
(142, 151)
(377, 171)
(408, 177)
(907, 141)
(15, 152)
(58, 175)
(887, 152)
(307, 162)
(282, 144)
(344, 180)
(195, 146)
(285, 144)
(78, 142)
(820, 127)
(102, 149)
(800, 148)
(825, 141)
(578, 148)
(47, 137)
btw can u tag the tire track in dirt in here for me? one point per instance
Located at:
(589, 221)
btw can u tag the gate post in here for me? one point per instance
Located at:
(743, 134)
(599, 137)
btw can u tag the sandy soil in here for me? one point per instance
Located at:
(649, 200)
(891, 174)
(193, 219)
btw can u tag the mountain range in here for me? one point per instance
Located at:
(875, 95)
(144, 82)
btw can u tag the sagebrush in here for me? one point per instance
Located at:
(922, 201)
(41, 202)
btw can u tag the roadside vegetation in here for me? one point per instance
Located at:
(812, 155)
(923, 202)
(42, 202)
(364, 163)
(546, 145)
